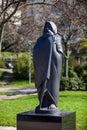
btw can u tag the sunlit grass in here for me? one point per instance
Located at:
(18, 84)
(75, 101)
(21, 83)
(68, 100)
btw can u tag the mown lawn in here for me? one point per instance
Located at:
(18, 84)
(68, 100)
(21, 84)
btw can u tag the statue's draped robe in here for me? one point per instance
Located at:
(47, 56)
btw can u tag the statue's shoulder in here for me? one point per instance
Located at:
(38, 42)
(59, 37)
(39, 39)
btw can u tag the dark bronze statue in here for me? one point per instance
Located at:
(47, 56)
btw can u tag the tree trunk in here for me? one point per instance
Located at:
(78, 60)
(66, 61)
(1, 37)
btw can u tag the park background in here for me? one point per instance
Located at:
(21, 23)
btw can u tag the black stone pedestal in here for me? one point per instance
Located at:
(60, 121)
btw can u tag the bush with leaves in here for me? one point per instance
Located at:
(81, 71)
(21, 67)
(75, 82)
(84, 75)
(64, 83)
(2, 64)
(72, 83)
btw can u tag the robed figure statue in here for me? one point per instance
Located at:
(47, 57)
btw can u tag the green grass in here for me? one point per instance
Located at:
(68, 100)
(75, 101)
(18, 84)
(9, 55)
(21, 83)
(9, 109)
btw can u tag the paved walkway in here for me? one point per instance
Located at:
(16, 92)
(7, 128)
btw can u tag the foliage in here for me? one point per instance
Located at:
(81, 71)
(1, 74)
(78, 69)
(72, 83)
(64, 83)
(2, 64)
(21, 68)
(84, 75)
(85, 66)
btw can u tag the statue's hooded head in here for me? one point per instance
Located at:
(50, 28)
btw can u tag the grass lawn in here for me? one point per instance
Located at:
(21, 84)
(18, 84)
(68, 100)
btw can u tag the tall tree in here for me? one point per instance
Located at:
(73, 15)
(33, 16)
(7, 10)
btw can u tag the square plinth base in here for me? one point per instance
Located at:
(32, 121)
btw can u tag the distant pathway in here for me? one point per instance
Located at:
(16, 92)
(7, 77)
(13, 92)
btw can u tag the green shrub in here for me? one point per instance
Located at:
(85, 66)
(1, 74)
(72, 83)
(84, 78)
(2, 64)
(21, 67)
(72, 73)
(75, 82)
(81, 71)
(64, 83)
